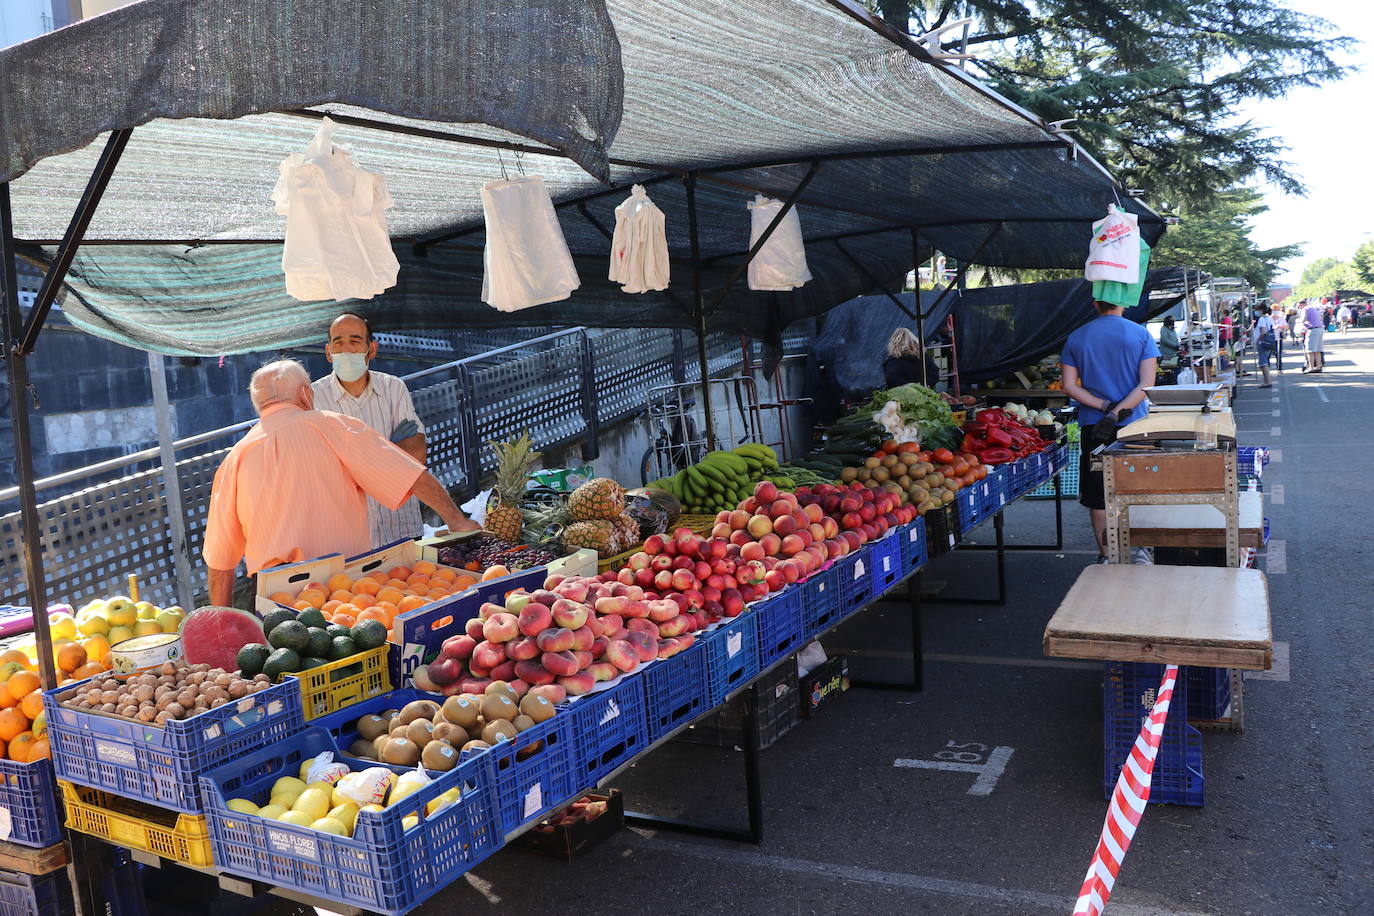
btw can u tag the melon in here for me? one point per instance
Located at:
(214, 635)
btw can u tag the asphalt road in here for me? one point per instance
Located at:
(1290, 803)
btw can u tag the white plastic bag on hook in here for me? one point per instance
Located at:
(526, 258)
(780, 264)
(1114, 251)
(639, 245)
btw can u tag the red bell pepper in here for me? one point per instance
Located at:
(997, 456)
(973, 444)
(1001, 437)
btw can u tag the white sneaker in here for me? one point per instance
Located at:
(1142, 556)
(1102, 560)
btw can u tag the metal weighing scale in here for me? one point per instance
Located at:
(1174, 410)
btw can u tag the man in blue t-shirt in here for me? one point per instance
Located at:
(1108, 364)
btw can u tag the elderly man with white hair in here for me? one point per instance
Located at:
(296, 486)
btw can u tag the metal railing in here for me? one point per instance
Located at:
(563, 387)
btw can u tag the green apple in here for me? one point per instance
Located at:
(147, 628)
(121, 612)
(170, 620)
(146, 610)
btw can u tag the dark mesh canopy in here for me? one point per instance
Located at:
(183, 255)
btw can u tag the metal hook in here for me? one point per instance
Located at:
(520, 162)
(502, 159)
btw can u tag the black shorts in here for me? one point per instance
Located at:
(1092, 493)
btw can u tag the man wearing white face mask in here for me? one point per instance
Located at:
(382, 402)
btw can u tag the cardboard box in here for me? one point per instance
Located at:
(568, 841)
(824, 685)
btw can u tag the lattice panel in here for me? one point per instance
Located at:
(541, 392)
(441, 408)
(628, 362)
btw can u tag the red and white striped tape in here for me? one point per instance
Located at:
(1128, 804)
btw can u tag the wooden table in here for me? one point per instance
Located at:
(1205, 616)
(1196, 526)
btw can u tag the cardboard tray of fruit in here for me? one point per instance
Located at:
(577, 829)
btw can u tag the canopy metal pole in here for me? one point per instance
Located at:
(699, 309)
(171, 483)
(877, 284)
(963, 268)
(920, 313)
(76, 231)
(17, 368)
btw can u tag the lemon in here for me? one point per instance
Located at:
(296, 819)
(314, 802)
(329, 825)
(370, 808)
(93, 625)
(62, 626)
(287, 796)
(346, 814)
(272, 812)
(410, 822)
(288, 782)
(242, 806)
(447, 798)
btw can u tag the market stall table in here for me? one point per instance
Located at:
(1197, 526)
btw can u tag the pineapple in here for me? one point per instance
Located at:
(598, 534)
(514, 461)
(601, 498)
(626, 532)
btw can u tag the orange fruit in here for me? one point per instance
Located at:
(21, 684)
(464, 582)
(21, 746)
(378, 576)
(315, 598)
(389, 609)
(367, 586)
(372, 613)
(362, 601)
(444, 573)
(438, 593)
(495, 572)
(12, 723)
(39, 750)
(97, 647)
(348, 610)
(339, 583)
(302, 605)
(32, 705)
(340, 596)
(90, 669)
(70, 657)
(398, 584)
(344, 620)
(410, 603)
(424, 566)
(390, 595)
(398, 572)
(14, 655)
(282, 598)
(330, 607)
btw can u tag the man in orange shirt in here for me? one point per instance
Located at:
(296, 486)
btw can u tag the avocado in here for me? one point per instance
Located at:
(251, 659)
(369, 634)
(273, 619)
(282, 661)
(321, 643)
(312, 618)
(342, 647)
(312, 661)
(335, 630)
(290, 634)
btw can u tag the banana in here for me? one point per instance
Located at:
(708, 470)
(726, 460)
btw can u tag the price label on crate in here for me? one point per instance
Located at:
(733, 643)
(887, 564)
(914, 535)
(858, 570)
(534, 800)
(951, 540)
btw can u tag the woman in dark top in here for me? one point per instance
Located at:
(903, 363)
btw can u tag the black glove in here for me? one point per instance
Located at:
(1104, 430)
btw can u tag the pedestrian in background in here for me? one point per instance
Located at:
(908, 361)
(1343, 317)
(1281, 326)
(1314, 329)
(1266, 342)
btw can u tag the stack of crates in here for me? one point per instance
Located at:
(1128, 694)
(1065, 461)
(36, 895)
(1209, 693)
(137, 785)
(779, 711)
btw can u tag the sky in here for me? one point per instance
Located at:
(1330, 138)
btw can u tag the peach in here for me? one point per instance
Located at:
(578, 684)
(474, 684)
(766, 491)
(487, 655)
(517, 600)
(459, 647)
(551, 692)
(572, 589)
(501, 627)
(489, 610)
(474, 628)
(559, 664)
(583, 637)
(556, 639)
(622, 654)
(752, 551)
(534, 619)
(445, 671)
(604, 671)
(641, 624)
(759, 525)
(584, 659)
(675, 627)
(771, 544)
(519, 687)
(504, 671)
(569, 614)
(533, 673)
(662, 610)
(599, 647)
(645, 644)
(785, 525)
(611, 624)
(523, 649)
(612, 605)
(792, 545)
(814, 512)
(667, 648)
(739, 520)
(721, 530)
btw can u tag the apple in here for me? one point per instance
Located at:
(775, 580)
(702, 570)
(715, 549)
(639, 560)
(625, 576)
(683, 580)
(664, 580)
(732, 602)
(653, 544)
(644, 577)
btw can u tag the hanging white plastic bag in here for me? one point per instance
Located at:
(1114, 252)
(639, 246)
(526, 259)
(780, 264)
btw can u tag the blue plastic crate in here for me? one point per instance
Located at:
(781, 626)
(675, 690)
(342, 724)
(29, 793)
(732, 657)
(536, 770)
(886, 566)
(853, 582)
(820, 602)
(35, 895)
(385, 867)
(1209, 692)
(1128, 693)
(161, 765)
(914, 550)
(1066, 466)
(609, 728)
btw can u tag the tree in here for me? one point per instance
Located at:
(1323, 277)
(1216, 238)
(1153, 84)
(1315, 269)
(1363, 265)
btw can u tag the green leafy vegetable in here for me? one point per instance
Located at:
(917, 404)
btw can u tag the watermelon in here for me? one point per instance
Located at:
(214, 635)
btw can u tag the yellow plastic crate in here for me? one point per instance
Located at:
(170, 834)
(327, 689)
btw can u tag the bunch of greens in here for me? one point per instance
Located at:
(917, 405)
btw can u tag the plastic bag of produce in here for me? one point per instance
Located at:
(325, 769)
(365, 787)
(1114, 251)
(409, 784)
(781, 262)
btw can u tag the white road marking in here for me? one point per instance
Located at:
(1275, 399)
(1276, 557)
(1322, 393)
(1276, 411)
(1276, 431)
(1276, 455)
(986, 773)
(1280, 670)
(1020, 899)
(1276, 494)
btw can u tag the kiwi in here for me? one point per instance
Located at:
(363, 748)
(419, 709)
(451, 732)
(370, 727)
(462, 710)
(421, 731)
(379, 745)
(537, 707)
(389, 714)
(476, 745)
(523, 722)
(498, 706)
(438, 755)
(504, 688)
(497, 729)
(401, 751)
(398, 727)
